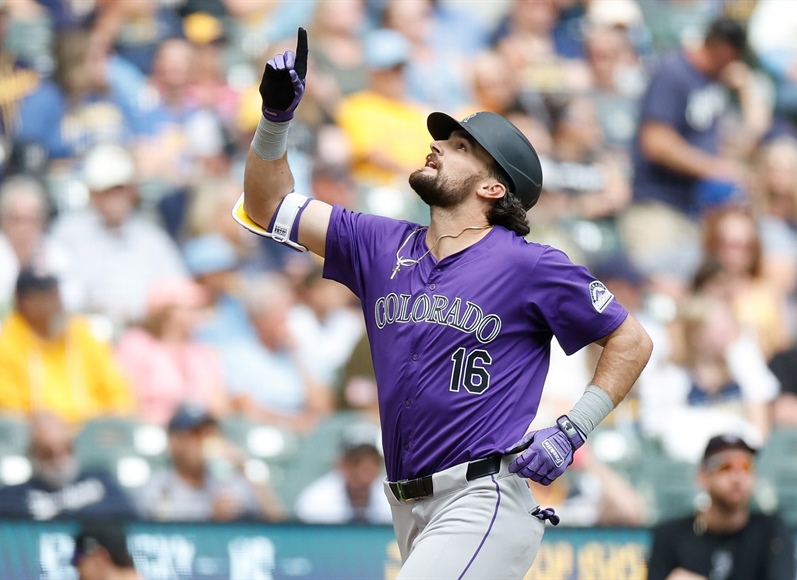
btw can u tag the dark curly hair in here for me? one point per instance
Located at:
(507, 211)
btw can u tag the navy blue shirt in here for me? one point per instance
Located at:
(92, 495)
(691, 103)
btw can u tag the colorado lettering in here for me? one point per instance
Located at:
(437, 309)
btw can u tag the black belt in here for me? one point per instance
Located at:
(412, 489)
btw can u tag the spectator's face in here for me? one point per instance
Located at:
(219, 283)
(716, 333)
(736, 243)
(360, 469)
(187, 450)
(22, 221)
(92, 566)
(114, 205)
(729, 478)
(341, 16)
(777, 171)
(52, 455)
(271, 323)
(721, 54)
(172, 66)
(43, 311)
(580, 126)
(536, 16)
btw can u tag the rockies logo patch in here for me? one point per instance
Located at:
(600, 295)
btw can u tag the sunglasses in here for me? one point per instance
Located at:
(721, 465)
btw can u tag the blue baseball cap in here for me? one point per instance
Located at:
(189, 416)
(385, 49)
(209, 253)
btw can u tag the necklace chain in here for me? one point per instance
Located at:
(401, 261)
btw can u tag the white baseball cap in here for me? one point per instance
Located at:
(107, 166)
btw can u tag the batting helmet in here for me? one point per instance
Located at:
(504, 142)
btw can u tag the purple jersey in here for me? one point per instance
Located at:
(461, 346)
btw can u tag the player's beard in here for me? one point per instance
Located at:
(440, 190)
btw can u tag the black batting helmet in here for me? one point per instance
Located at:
(504, 142)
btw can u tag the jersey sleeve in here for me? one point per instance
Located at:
(355, 241)
(578, 308)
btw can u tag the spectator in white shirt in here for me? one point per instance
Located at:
(352, 491)
(115, 255)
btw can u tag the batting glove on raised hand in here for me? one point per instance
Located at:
(548, 452)
(282, 85)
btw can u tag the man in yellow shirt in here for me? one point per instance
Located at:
(50, 361)
(385, 130)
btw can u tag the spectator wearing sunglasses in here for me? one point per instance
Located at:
(725, 540)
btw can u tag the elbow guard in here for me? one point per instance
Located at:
(284, 226)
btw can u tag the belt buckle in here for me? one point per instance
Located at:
(409, 490)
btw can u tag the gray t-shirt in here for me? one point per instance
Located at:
(167, 497)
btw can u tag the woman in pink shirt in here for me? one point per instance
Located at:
(165, 366)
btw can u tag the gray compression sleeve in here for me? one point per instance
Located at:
(271, 139)
(592, 408)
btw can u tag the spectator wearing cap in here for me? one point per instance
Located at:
(207, 212)
(115, 255)
(213, 263)
(51, 361)
(59, 487)
(101, 552)
(678, 168)
(205, 480)
(385, 130)
(208, 87)
(165, 364)
(725, 539)
(437, 68)
(353, 491)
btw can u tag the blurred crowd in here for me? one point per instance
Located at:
(667, 131)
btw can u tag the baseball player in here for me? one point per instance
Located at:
(460, 315)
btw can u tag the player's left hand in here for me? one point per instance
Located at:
(548, 451)
(283, 82)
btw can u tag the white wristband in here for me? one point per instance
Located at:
(592, 408)
(271, 139)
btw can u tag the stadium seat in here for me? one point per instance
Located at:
(13, 435)
(668, 485)
(778, 470)
(127, 449)
(14, 465)
(268, 442)
(316, 454)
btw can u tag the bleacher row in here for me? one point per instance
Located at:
(131, 451)
(670, 489)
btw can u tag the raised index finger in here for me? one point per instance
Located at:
(301, 54)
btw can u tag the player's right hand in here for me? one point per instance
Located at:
(283, 82)
(546, 452)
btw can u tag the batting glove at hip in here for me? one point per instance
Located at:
(548, 452)
(282, 85)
